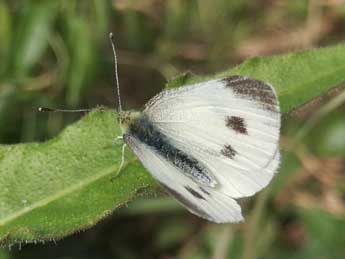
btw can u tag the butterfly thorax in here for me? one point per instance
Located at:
(126, 118)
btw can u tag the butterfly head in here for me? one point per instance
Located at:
(126, 118)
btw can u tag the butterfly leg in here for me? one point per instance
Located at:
(119, 137)
(122, 161)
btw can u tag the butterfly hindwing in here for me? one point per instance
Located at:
(199, 199)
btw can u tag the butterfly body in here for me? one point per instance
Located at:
(209, 143)
(147, 133)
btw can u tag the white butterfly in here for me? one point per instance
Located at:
(209, 143)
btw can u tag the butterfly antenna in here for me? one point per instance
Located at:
(117, 89)
(46, 109)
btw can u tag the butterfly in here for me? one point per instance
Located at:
(209, 144)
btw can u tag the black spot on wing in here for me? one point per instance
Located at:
(204, 191)
(236, 123)
(191, 206)
(228, 151)
(256, 90)
(194, 192)
(232, 79)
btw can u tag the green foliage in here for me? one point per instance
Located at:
(54, 188)
(32, 35)
(57, 54)
(44, 43)
(51, 189)
(331, 136)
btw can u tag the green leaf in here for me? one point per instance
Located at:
(297, 77)
(51, 189)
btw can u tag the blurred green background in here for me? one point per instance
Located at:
(57, 54)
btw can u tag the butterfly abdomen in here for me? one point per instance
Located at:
(145, 131)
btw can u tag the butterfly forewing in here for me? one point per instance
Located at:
(231, 125)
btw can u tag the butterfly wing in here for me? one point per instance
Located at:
(231, 125)
(203, 201)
